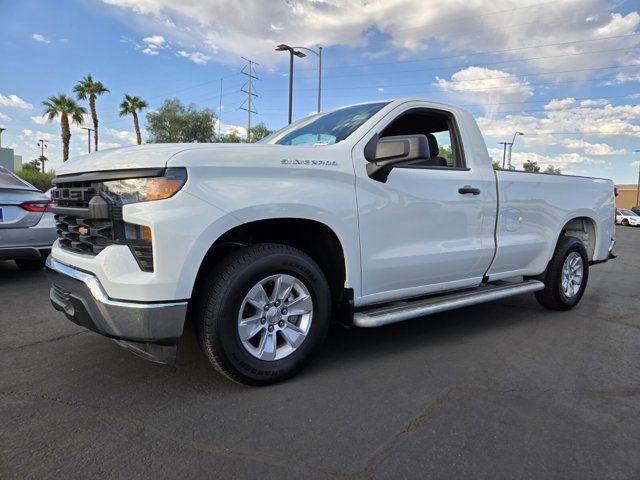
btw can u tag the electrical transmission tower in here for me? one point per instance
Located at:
(248, 72)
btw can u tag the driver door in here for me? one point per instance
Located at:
(418, 233)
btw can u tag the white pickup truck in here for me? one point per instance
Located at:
(369, 214)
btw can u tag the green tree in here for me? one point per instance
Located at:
(531, 166)
(495, 165)
(445, 152)
(68, 110)
(231, 137)
(259, 132)
(173, 122)
(553, 170)
(131, 106)
(33, 165)
(89, 88)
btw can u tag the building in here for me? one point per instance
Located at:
(9, 160)
(627, 196)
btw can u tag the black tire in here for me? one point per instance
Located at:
(553, 296)
(218, 307)
(625, 222)
(29, 264)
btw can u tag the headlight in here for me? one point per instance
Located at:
(145, 189)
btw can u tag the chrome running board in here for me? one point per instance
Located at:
(399, 311)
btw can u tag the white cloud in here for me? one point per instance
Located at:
(409, 26)
(592, 148)
(155, 40)
(486, 87)
(14, 101)
(196, 57)
(39, 119)
(601, 102)
(127, 136)
(37, 135)
(151, 45)
(40, 38)
(380, 89)
(4, 117)
(567, 162)
(560, 104)
(608, 120)
(226, 128)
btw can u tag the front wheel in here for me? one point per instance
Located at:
(566, 275)
(262, 313)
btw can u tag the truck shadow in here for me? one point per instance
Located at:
(354, 346)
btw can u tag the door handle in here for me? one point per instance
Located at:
(469, 189)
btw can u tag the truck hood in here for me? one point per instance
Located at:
(147, 156)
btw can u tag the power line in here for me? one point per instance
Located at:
(486, 52)
(511, 76)
(499, 62)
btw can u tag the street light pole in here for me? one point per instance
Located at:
(290, 86)
(511, 147)
(319, 55)
(504, 152)
(42, 144)
(292, 51)
(638, 186)
(89, 130)
(1, 130)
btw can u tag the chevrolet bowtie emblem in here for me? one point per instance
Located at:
(83, 230)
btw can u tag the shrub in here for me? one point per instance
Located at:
(42, 181)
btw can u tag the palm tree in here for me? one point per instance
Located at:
(88, 88)
(131, 106)
(66, 108)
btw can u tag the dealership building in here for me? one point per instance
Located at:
(627, 196)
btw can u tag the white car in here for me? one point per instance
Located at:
(627, 218)
(368, 214)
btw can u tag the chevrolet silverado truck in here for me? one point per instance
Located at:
(370, 214)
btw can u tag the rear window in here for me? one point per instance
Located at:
(9, 180)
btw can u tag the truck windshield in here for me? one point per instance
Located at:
(325, 128)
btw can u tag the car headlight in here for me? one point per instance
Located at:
(145, 189)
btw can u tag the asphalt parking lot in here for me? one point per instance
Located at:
(503, 390)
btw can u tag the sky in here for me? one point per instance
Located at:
(566, 73)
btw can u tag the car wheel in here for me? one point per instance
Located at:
(625, 222)
(262, 313)
(566, 276)
(29, 264)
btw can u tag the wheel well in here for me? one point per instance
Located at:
(584, 229)
(314, 238)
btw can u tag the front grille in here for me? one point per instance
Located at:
(88, 222)
(77, 194)
(84, 235)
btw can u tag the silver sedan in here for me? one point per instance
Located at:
(27, 226)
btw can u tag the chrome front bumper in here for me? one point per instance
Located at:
(150, 330)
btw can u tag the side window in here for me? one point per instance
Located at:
(440, 130)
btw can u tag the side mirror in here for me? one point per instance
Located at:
(383, 154)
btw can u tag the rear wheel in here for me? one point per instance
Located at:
(30, 264)
(625, 222)
(566, 275)
(262, 313)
